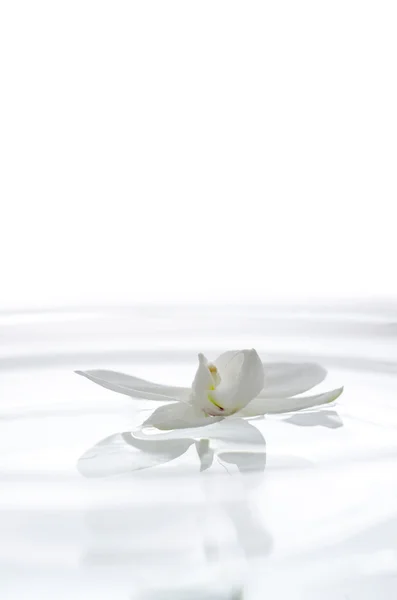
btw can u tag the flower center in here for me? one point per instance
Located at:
(216, 381)
(213, 401)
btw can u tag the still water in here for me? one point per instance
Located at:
(316, 520)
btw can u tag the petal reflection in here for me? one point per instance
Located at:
(123, 453)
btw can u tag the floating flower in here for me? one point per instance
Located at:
(236, 383)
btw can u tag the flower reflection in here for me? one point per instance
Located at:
(233, 442)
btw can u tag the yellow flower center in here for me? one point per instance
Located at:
(213, 401)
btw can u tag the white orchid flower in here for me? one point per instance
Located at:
(236, 383)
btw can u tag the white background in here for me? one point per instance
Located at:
(197, 150)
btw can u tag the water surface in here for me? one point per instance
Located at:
(319, 520)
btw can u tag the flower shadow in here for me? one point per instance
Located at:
(322, 418)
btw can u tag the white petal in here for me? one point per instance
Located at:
(202, 395)
(242, 378)
(225, 360)
(122, 453)
(134, 386)
(261, 406)
(178, 415)
(289, 379)
(203, 382)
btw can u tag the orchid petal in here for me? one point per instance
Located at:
(178, 415)
(225, 361)
(202, 384)
(288, 379)
(122, 453)
(281, 379)
(134, 386)
(261, 406)
(242, 378)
